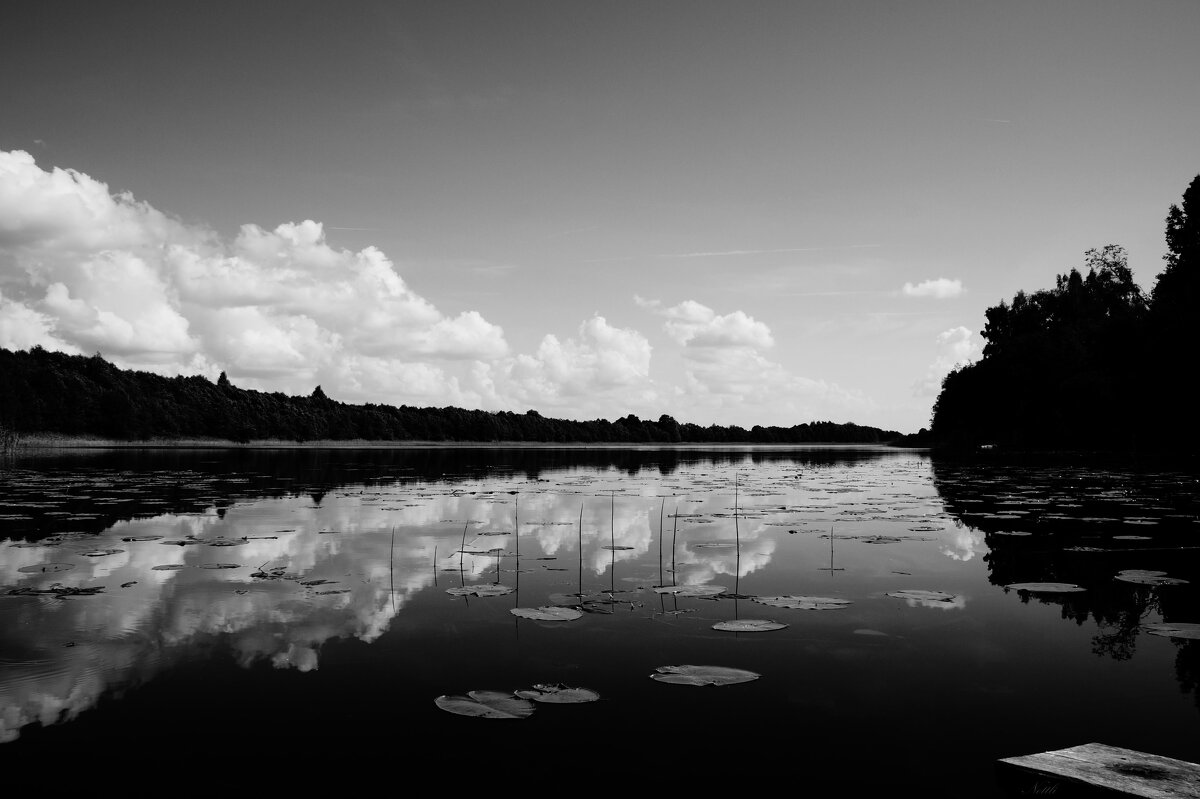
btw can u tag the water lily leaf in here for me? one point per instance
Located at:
(1142, 573)
(804, 602)
(703, 675)
(921, 595)
(748, 625)
(484, 589)
(100, 553)
(1046, 588)
(716, 545)
(689, 590)
(558, 694)
(487, 705)
(46, 568)
(547, 613)
(1180, 629)
(618, 546)
(168, 567)
(141, 538)
(1150, 579)
(220, 566)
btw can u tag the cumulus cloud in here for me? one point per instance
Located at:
(726, 369)
(940, 289)
(84, 269)
(90, 270)
(599, 365)
(955, 348)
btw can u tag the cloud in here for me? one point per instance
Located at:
(940, 289)
(22, 327)
(727, 371)
(89, 270)
(955, 348)
(84, 269)
(599, 366)
(691, 324)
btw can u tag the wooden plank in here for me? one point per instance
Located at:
(1112, 768)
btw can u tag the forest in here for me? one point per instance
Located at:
(1094, 363)
(44, 392)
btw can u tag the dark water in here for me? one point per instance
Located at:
(175, 614)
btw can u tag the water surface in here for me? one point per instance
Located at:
(171, 612)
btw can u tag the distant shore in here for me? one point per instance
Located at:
(55, 441)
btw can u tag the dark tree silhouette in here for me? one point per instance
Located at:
(1090, 364)
(52, 392)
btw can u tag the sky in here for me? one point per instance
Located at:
(732, 213)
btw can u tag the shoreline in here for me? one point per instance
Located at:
(52, 441)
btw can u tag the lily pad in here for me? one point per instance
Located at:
(921, 595)
(46, 568)
(100, 553)
(748, 625)
(558, 694)
(220, 566)
(1046, 588)
(618, 546)
(168, 567)
(703, 675)
(485, 589)
(1150, 579)
(690, 590)
(487, 705)
(804, 602)
(1181, 629)
(547, 613)
(141, 538)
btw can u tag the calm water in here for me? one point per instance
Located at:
(177, 613)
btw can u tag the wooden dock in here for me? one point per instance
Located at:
(1099, 770)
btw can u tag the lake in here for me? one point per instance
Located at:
(320, 618)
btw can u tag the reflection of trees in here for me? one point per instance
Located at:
(1118, 628)
(1070, 529)
(1187, 668)
(190, 481)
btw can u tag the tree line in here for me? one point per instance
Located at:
(45, 392)
(1093, 363)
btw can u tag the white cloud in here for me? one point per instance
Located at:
(88, 270)
(22, 327)
(601, 367)
(941, 288)
(280, 309)
(955, 348)
(726, 372)
(691, 324)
